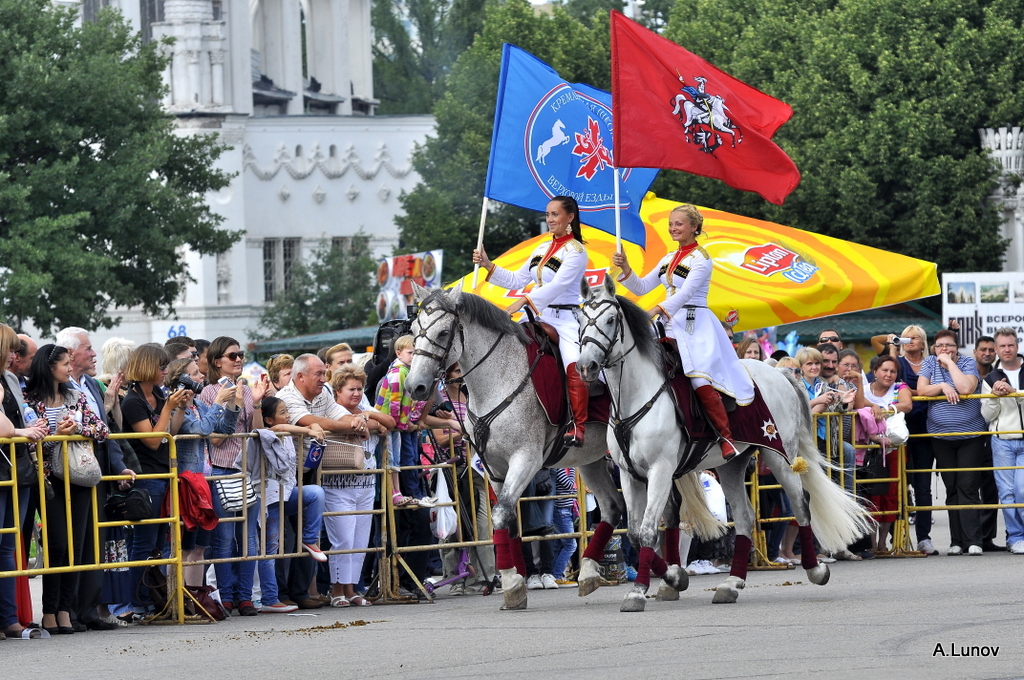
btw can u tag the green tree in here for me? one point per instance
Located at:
(415, 44)
(444, 210)
(334, 290)
(887, 97)
(98, 196)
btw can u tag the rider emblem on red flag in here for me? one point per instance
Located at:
(675, 110)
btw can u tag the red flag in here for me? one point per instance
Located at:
(674, 110)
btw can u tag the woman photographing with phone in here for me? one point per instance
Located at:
(232, 539)
(66, 412)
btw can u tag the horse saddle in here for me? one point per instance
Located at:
(750, 424)
(549, 377)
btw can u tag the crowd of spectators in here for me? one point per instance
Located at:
(195, 391)
(972, 433)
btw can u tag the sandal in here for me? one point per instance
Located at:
(340, 601)
(398, 500)
(360, 601)
(24, 634)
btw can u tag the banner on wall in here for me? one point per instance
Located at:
(395, 276)
(767, 273)
(981, 302)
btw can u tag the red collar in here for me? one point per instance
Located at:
(678, 257)
(556, 243)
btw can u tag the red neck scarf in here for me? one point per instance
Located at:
(556, 243)
(678, 257)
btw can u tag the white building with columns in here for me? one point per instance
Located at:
(288, 84)
(1007, 147)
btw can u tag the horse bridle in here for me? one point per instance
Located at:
(618, 333)
(622, 428)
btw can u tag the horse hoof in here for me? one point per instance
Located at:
(819, 575)
(635, 600)
(514, 591)
(677, 578)
(729, 591)
(667, 593)
(589, 578)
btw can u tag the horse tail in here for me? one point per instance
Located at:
(836, 517)
(694, 508)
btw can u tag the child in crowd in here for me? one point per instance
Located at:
(275, 418)
(404, 444)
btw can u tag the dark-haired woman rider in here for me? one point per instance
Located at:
(706, 351)
(556, 268)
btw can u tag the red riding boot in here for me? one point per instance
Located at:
(715, 410)
(579, 397)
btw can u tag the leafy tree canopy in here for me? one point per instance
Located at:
(415, 44)
(334, 289)
(888, 96)
(98, 196)
(444, 210)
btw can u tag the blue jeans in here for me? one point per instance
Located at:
(1008, 453)
(8, 603)
(147, 539)
(234, 579)
(411, 480)
(313, 500)
(564, 547)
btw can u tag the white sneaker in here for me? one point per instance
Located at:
(703, 567)
(927, 547)
(549, 582)
(975, 550)
(1017, 548)
(955, 550)
(534, 583)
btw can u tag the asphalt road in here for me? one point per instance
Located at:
(877, 619)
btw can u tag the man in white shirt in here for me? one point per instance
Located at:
(1007, 414)
(309, 401)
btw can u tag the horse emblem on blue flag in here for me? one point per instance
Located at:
(554, 138)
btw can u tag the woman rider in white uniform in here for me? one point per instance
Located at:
(555, 268)
(706, 350)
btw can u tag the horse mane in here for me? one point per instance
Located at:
(639, 324)
(476, 309)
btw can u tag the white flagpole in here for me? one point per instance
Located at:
(618, 215)
(480, 239)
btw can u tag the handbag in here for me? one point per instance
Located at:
(132, 505)
(873, 468)
(83, 468)
(230, 494)
(896, 429)
(342, 456)
(202, 603)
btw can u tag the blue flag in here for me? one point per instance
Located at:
(554, 138)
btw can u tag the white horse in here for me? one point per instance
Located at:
(558, 136)
(718, 119)
(506, 424)
(615, 335)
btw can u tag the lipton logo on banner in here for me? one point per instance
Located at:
(770, 259)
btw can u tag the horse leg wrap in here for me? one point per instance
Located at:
(515, 546)
(602, 534)
(643, 570)
(808, 558)
(502, 553)
(672, 546)
(740, 556)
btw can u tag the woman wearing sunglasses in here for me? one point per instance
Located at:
(232, 539)
(947, 373)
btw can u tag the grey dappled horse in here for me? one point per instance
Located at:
(616, 335)
(507, 424)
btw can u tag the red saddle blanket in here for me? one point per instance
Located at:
(751, 424)
(549, 381)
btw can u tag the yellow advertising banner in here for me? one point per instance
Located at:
(768, 273)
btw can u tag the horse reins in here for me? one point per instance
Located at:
(622, 428)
